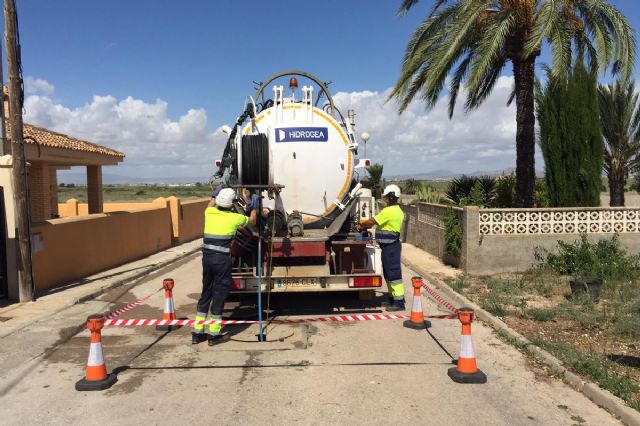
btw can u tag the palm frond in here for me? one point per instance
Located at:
(491, 47)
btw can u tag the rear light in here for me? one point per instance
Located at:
(365, 282)
(238, 285)
(218, 163)
(367, 163)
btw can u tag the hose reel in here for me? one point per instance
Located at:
(254, 160)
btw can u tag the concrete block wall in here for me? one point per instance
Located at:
(486, 254)
(72, 248)
(80, 244)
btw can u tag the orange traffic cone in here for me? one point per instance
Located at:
(96, 377)
(416, 320)
(169, 308)
(466, 370)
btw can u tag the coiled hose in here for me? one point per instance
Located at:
(255, 159)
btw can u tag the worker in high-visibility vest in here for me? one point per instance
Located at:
(220, 225)
(388, 224)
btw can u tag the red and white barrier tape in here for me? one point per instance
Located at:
(439, 299)
(337, 318)
(129, 307)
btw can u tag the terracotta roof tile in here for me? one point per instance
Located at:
(51, 139)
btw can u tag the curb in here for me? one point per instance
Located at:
(119, 283)
(599, 396)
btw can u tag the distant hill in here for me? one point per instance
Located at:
(447, 174)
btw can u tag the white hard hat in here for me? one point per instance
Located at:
(392, 190)
(226, 197)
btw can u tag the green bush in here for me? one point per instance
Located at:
(541, 194)
(605, 259)
(452, 233)
(505, 192)
(476, 197)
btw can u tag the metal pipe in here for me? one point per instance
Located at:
(260, 336)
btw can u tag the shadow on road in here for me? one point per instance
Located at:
(304, 303)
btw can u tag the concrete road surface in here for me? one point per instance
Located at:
(329, 373)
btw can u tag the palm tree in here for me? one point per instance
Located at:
(474, 39)
(411, 185)
(375, 175)
(620, 115)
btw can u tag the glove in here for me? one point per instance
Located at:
(217, 191)
(255, 201)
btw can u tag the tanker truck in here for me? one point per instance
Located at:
(297, 151)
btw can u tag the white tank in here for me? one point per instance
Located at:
(311, 154)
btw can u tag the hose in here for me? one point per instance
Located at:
(255, 159)
(228, 156)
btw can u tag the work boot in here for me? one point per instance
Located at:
(398, 305)
(198, 338)
(217, 339)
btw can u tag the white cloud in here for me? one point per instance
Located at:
(155, 145)
(37, 86)
(414, 142)
(418, 141)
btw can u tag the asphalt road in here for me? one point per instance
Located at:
(328, 373)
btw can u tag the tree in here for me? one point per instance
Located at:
(474, 39)
(375, 175)
(570, 138)
(620, 116)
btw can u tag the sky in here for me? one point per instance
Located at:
(157, 79)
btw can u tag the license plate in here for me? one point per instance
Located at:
(296, 282)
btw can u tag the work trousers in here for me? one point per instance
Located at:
(216, 285)
(392, 268)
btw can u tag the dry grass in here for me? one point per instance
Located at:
(599, 341)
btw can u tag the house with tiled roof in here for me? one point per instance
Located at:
(47, 152)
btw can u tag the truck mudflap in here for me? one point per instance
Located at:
(243, 284)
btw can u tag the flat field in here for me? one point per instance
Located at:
(132, 193)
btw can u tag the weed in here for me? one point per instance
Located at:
(458, 285)
(452, 233)
(494, 305)
(598, 369)
(578, 419)
(541, 315)
(511, 340)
